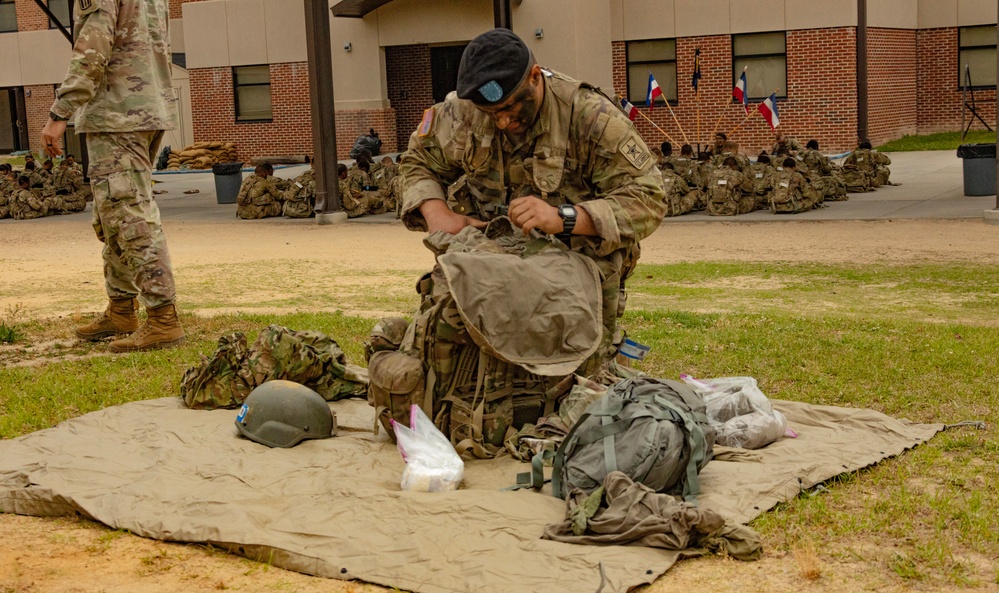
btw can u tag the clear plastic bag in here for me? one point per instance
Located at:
(432, 465)
(739, 412)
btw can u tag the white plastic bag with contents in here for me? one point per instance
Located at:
(432, 465)
(739, 412)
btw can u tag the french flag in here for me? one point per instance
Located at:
(654, 91)
(769, 110)
(629, 109)
(739, 92)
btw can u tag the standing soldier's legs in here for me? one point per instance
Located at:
(136, 259)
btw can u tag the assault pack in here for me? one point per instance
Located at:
(505, 321)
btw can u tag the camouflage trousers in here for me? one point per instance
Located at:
(369, 203)
(127, 220)
(677, 204)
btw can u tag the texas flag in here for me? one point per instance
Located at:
(739, 92)
(654, 91)
(629, 109)
(769, 110)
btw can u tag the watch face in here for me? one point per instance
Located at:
(567, 211)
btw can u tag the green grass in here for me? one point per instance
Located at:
(941, 141)
(913, 341)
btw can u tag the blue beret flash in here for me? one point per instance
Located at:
(491, 91)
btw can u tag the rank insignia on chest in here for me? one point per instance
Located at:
(636, 154)
(425, 124)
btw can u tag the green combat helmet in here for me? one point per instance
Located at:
(282, 414)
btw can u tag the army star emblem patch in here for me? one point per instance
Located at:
(635, 154)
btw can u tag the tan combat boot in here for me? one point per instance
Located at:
(119, 318)
(161, 330)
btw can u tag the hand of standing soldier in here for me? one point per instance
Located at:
(52, 133)
(440, 218)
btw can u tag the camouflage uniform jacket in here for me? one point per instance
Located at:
(5, 197)
(581, 150)
(762, 174)
(119, 74)
(257, 197)
(791, 192)
(792, 146)
(358, 180)
(817, 162)
(686, 167)
(25, 205)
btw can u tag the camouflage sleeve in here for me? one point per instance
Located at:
(96, 24)
(629, 199)
(425, 169)
(243, 197)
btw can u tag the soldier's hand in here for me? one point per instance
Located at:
(440, 218)
(531, 212)
(52, 135)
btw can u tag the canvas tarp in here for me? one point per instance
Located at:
(333, 507)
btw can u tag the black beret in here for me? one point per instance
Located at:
(493, 66)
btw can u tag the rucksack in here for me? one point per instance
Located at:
(654, 430)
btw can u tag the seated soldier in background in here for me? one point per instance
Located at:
(300, 197)
(258, 196)
(686, 165)
(791, 191)
(859, 169)
(64, 190)
(46, 170)
(6, 190)
(730, 148)
(704, 170)
(781, 141)
(73, 164)
(357, 202)
(666, 148)
(680, 198)
(730, 192)
(719, 146)
(762, 173)
(24, 204)
(822, 173)
(35, 179)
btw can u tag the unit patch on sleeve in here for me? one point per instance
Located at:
(636, 154)
(426, 122)
(86, 6)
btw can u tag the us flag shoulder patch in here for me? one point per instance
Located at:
(425, 123)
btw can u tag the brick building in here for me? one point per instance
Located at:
(243, 64)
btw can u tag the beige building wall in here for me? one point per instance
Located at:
(407, 22)
(893, 14)
(975, 12)
(10, 49)
(177, 36)
(575, 37)
(358, 74)
(44, 56)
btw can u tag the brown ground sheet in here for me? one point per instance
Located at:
(333, 507)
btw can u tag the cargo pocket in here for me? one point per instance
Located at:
(396, 382)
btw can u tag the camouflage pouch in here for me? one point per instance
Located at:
(395, 382)
(387, 334)
(221, 381)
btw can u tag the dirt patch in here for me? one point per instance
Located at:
(52, 267)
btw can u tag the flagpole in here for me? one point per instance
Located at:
(668, 137)
(685, 141)
(722, 115)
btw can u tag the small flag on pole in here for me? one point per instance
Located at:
(696, 78)
(654, 91)
(739, 92)
(630, 110)
(769, 110)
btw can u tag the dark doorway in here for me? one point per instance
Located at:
(444, 62)
(9, 136)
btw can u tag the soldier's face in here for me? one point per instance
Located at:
(518, 112)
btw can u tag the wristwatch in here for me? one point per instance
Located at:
(55, 117)
(567, 212)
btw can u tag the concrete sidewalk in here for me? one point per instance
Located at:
(932, 187)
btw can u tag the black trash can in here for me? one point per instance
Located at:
(228, 178)
(979, 169)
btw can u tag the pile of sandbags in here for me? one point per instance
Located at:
(202, 155)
